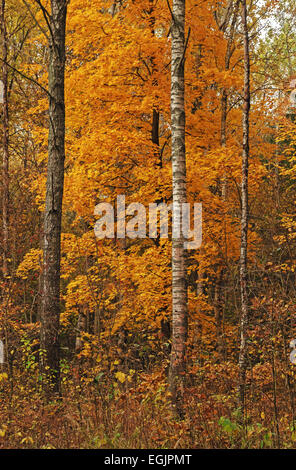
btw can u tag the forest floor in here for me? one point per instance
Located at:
(121, 412)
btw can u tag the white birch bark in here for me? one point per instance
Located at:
(179, 284)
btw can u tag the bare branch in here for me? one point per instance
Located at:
(47, 18)
(45, 12)
(172, 15)
(26, 77)
(185, 47)
(35, 20)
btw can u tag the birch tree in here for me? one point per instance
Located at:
(179, 284)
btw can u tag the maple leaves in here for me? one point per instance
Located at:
(116, 294)
(117, 73)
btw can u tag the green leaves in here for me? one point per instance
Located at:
(228, 426)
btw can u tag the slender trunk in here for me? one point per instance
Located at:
(54, 196)
(233, 9)
(288, 377)
(179, 284)
(80, 329)
(220, 282)
(155, 112)
(155, 136)
(5, 163)
(224, 105)
(244, 215)
(218, 310)
(165, 323)
(274, 383)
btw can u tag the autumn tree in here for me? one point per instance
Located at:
(179, 283)
(5, 160)
(50, 314)
(244, 211)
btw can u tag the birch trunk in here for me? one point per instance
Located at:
(179, 284)
(5, 161)
(54, 196)
(244, 215)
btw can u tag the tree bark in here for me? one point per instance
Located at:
(224, 97)
(228, 26)
(50, 314)
(179, 284)
(245, 214)
(155, 111)
(5, 161)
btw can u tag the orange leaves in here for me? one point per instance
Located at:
(117, 77)
(32, 262)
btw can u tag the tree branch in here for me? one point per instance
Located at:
(185, 47)
(26, 77)
(47, 18)
(172, 15)
(34, 18)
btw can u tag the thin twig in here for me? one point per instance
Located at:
(185, 47)
(172, 15)
(26, 77)
(36, 22)
(47, 18)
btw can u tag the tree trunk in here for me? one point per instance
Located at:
(179, 284)
(80, 329)
(228, 25)
(5, 162)
(155, 111)
(219, 303)
(244, 215)
(54, 196)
